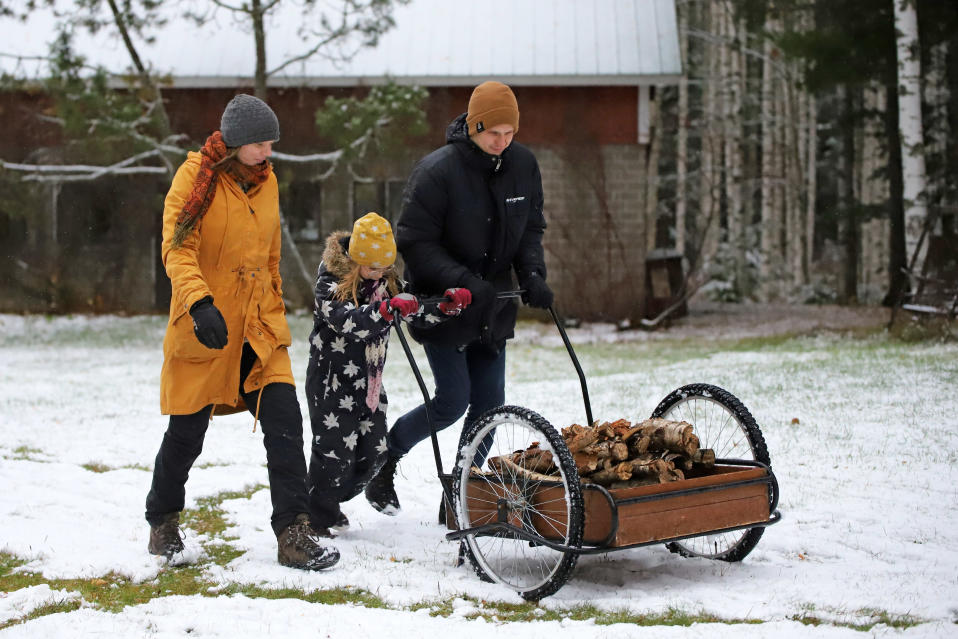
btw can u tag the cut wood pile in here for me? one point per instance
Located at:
(621, 455)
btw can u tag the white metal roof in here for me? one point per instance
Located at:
(434, 43)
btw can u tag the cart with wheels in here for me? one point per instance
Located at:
(526, 530)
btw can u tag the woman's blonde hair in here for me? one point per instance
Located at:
(349, 284)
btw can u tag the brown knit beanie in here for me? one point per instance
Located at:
(371, 242)
(492, 103)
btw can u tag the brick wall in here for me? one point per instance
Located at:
(595, 250)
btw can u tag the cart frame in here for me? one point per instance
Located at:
(502, 528)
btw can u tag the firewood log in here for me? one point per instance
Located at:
(619, 472)
(639, 445)
(605, 431)
(578, 437)
(620, 452)
(506, 467)
(534, 459)
(650, 466)
(704, 457)
(678, 460)
(585, 462)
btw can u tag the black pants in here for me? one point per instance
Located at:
(282, 425)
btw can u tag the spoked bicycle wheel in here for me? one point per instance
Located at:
(545, 503)
(723, 424)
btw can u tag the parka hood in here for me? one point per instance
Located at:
(335, 255)
(457, 131)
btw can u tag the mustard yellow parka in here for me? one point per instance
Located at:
(232, 255)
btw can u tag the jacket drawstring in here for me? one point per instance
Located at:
(259, 396)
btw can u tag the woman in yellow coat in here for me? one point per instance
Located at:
(226, 342)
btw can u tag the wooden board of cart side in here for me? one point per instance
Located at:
(658, 519)
(679, 515)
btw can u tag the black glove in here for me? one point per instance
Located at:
(483, 293)
(484, 303)
(537, 292)
(208, 324)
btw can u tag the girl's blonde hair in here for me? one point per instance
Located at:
(349, 284)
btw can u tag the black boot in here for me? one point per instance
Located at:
(380, 491)
(166, 538)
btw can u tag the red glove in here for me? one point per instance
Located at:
(405, 303)
(456, 300)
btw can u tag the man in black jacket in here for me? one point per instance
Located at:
(471, 216)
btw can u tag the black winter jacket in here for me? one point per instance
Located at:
(465, 213)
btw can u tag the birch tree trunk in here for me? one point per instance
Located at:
(731, 70)
(909, 123)
(682, 139)
(652, 173)
(790, 187)
(811, 179)
(708, 219)
(770, 249)
(848, 218)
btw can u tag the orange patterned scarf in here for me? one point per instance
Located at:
(213, 152)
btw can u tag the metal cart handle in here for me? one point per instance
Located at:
(425, 391)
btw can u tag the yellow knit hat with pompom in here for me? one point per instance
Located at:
(371, 242)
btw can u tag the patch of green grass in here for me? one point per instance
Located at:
(499, 611)
(25, 453)
(41, 611)
(208, 517)
(96, 467)
(876, 618)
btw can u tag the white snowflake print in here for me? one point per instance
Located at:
(327, 308)
(317, 341)
(331, 454)
(347, 403)
(365, 425)
(360, 383)
(339, 345)
(432, 319)
(349, 325)
(333, 286)
(349, 441)
(362, 334)
(351, 369)
(331, 421)
(382, 448)
(316, 440)
(334, 382)
(375, 316)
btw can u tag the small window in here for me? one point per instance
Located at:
(302, 210)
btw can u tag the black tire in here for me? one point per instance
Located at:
(551, 509)
(723, 424)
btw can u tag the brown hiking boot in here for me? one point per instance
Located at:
(299, 547)
(166, 539)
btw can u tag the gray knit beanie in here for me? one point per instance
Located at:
(247, 120)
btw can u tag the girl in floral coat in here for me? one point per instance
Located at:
(357, 295)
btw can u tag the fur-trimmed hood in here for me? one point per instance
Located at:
(335, 255)
(338, 263)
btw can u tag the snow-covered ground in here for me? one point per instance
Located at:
(863, 435)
